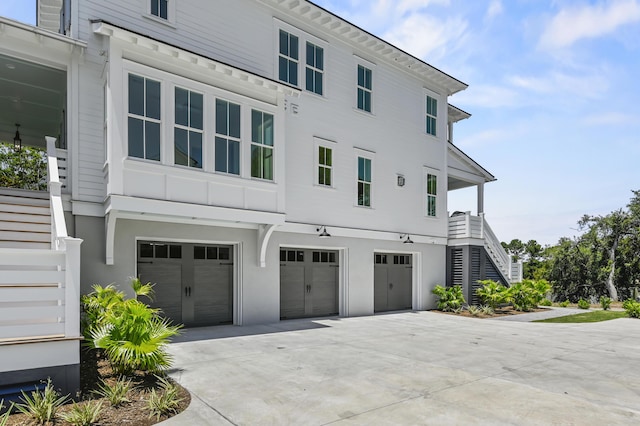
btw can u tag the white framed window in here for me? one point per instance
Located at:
(261, 145)
(288, 57)
(431, 194)
(159, 8)
(144, 117)
(162, 11)
(431, 119)
(364, 88)
(325, 166)
(188, 128)
(227, 140)
(364, 181)
(314, 71)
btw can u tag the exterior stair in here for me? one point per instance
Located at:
(25, 219)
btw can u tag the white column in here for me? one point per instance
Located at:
(480, 198)
(72, 288)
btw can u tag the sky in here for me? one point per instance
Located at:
(554, 95)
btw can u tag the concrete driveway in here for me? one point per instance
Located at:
(411, 368)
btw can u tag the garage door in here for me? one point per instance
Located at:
(193, 282)
(392, 284)
(308, 283)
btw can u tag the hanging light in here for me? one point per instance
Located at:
(407, 240)
(17, 141)
(323, 232)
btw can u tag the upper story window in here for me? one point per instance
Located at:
(314, 69)
(365, 88)
(432, 194)
(227, 149)
(432, 115)
(261, 145)
(144, 120)
(364, 181)
(288, 58)
(160, 8)
(187, 134)
(325, 165)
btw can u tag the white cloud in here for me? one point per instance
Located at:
(589, 21)
(495, 9)
(587, 86)
(427, 37)
(487, 96)
(610, 118)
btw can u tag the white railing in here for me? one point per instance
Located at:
(466, 226)
(63, 167)
(40, 289)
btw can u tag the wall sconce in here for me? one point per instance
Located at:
(406, 238)
(323, 232)
(401, 180)
(17, 141)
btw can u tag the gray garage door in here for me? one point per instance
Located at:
(193, 282)
(308, 283)
(392, 279)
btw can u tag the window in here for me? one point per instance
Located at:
(227, 150)
(288, 58)
(188, 128)
(314, 69)
(432, 192)
(160, 8)
(364, 88)
(261, 145)
(432, 114)
(325, 165)
(144, 118)
(364, 182)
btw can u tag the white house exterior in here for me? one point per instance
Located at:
(257, 159)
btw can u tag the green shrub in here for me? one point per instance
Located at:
(632, 307)
(546, 302)
(605, 302)
(528, 294)
(474, 310)
(83, 415)
(42, 406)
(487, 310)
(4, 418)
(493, 293)
(583, 304)
(166, 401)
(564, 304)
(116, 394)
(132, 335)
(450, 299)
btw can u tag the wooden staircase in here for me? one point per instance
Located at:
(25, 219)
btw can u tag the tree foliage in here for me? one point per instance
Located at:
(25, 168)
(603, 261)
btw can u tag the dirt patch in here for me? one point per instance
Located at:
(94, 367)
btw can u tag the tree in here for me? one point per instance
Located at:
(515, 248)
(25, 168)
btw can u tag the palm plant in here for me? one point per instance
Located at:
(492, 293)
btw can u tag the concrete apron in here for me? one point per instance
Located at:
(411, 368)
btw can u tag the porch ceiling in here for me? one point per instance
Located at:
(32, 95)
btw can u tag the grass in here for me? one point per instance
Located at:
(595, 316)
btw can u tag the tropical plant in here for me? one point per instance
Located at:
(142, 289)
(42, 406)
(487, 310)
(25, 168)
(564, 304)
(116, 393)
(166, 401)
(99, 306)
(83, 414)
(474, 310)
(450, 299)
(492, 293)
(584, 304)
(632, 307)
(4, 418)
(546, 302)
(605, 302)
(135, 338)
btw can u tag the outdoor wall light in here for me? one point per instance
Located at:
(323, 232)
(401, 180)
(406, 238)
(17, 141)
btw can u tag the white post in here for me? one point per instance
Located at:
(480, 198)
(481, 225)
(72, 287)
(467, 224)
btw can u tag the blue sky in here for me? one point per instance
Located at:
(553, 92)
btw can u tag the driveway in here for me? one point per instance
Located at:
(411, 368)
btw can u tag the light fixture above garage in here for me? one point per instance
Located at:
(323, 232)
(406, 238)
